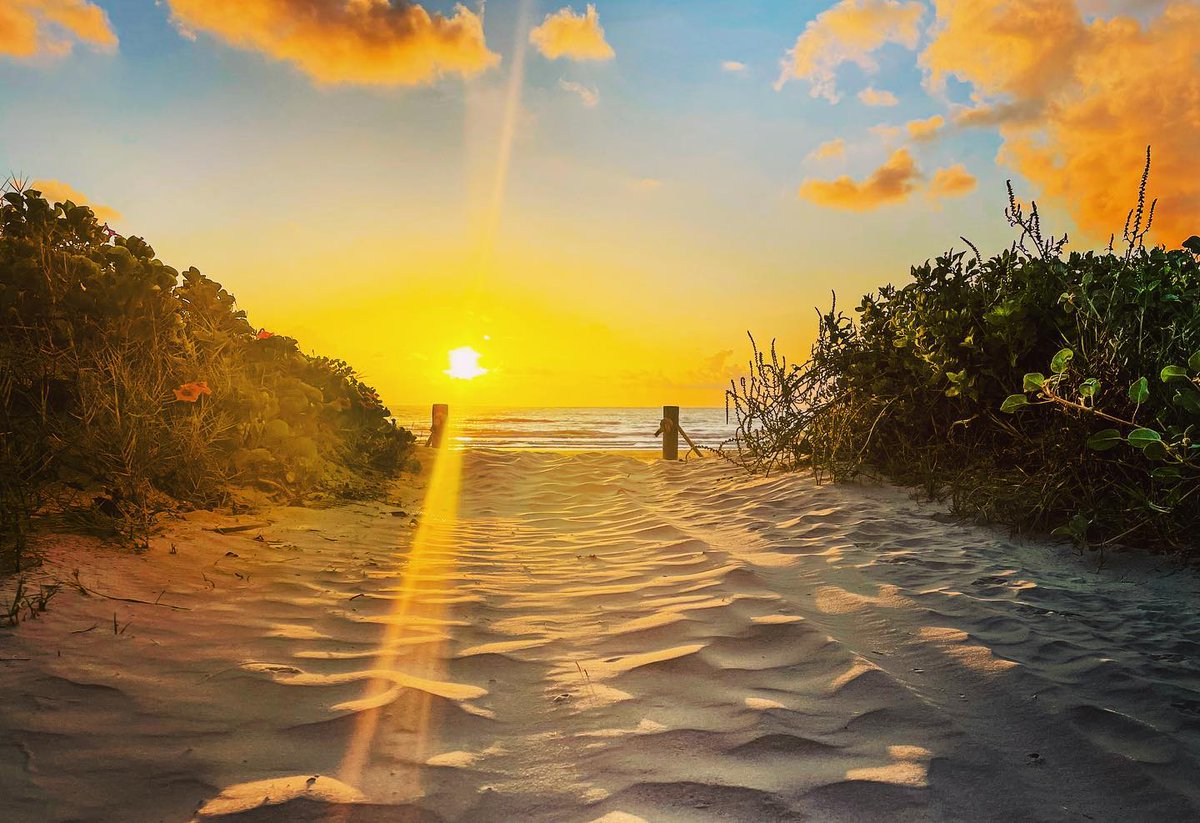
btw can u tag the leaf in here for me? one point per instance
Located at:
(1139, 391)
(1170, 373)
(1192, 244)
(1033, 381)
(1188, 400)
(1013, 403)
(1140, 438)
(1089, 387)
(1194, 362)
(1156, 450)
(1166, 474)
(1104, 440)
(1058, 363)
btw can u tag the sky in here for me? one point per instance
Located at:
(602, 200)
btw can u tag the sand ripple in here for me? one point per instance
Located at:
(598, 638)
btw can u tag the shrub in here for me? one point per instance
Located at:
(121, 378)
(1046, 390)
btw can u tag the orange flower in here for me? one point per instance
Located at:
(263, 334)
(190, 392)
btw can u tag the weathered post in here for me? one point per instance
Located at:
(437, 428)
(670, 432)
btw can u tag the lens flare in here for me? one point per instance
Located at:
(391, 716)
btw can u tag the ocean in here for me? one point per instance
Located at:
(569, 428)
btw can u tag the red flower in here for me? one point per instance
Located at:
(190, 392)
(263, 334)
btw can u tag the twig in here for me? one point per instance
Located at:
(235, 529)
(141, 602)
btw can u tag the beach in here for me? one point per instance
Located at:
(601, 637)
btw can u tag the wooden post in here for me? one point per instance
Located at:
(437, 428)
(671, 433)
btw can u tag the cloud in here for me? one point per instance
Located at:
(1077, 100)
(574, 36)
(829, 149)
(985, 115)
(364, 42)
(589, 96)
(926, 129)
(57, 191)
(871, 96)
(848, 33)
(892, 182)
(647, 184)
(954, 181)
(1108, 8)
(30, 28)
(713, 372)
(733, 67)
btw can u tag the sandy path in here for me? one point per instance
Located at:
(598, 638)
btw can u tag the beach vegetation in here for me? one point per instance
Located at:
(1054, 391)
(128, 388)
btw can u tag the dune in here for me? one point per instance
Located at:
(602, 638)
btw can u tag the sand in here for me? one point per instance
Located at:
(602, 638)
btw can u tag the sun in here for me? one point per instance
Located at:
(464, 364)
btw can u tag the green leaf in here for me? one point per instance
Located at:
(1104, 440)
(1194, 362)
(1139, 391)
(1076, 527)
(1156, 450)
(1058, 363)
(1188, 400)
(1140, 438)
(1033, 381)
(1013, 403)
(1170, 373)
(1089, 387)
(1166, 474)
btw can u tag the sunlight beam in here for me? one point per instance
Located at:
(508, 129)
(430, 563)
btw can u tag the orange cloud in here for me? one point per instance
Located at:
(733, 66)
(954, 181)
(57, 191)
(892, 182)
(849, 33)
(870, 96)
(925, 129)
(29, 28)
(829, 149)
(366, 42)
(1077, 101)
(575, 36)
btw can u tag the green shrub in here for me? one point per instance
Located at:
(120, 377)
(1046, 390)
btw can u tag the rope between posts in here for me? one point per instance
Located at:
(664, 429)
